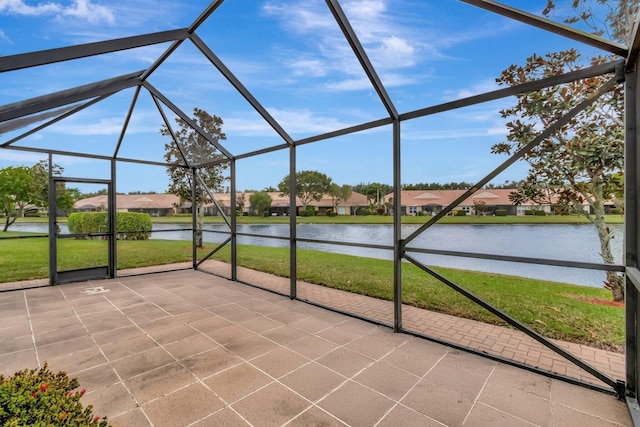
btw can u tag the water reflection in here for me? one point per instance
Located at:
(557, 242)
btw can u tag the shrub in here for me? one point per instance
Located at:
(529, 212)
(136, 225)
(461, 213)
(130, 225)
(42, 398)
(616, 211)
(366, 211)
(540, 213)
(309, 211)
(501, 212)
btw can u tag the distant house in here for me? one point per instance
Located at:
(486, 202)
(153, 204)
(431, 202)
(169, 204)
(280, 205)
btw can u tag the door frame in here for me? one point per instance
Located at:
(57, 277)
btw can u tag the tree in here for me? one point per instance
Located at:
(535, 190)
(260, 202)
(310, 186)
(375, 193)
(22, 185)
(479, 206)
(580, 161)
(65, 197)
(362, 187)
(192, 149)
(339, 193)
(240, 203)
(15, 192)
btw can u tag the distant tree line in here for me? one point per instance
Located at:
(459, 185)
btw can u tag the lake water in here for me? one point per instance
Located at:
(557, 242)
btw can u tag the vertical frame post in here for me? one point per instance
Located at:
(293, 213)
(194, 219)
(113, 222)
(398, 244)
(234, 222)
(632, 225)
(53, 233)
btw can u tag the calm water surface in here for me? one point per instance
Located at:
(558, 242)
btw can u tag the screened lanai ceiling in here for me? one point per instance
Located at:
(106, 76)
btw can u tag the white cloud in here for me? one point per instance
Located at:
(459, 133)
(105, 126)
(349, 84)
(19, 7)
(395, 52)
(12, 156)
(303, 17)
(90, 12)
(478, 88)
(308, 67)
(4, 38)
(387, 45)
(301, 121)
(82, 9)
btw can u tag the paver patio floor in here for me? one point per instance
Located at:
(189, 348)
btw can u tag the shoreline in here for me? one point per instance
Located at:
(375, 219)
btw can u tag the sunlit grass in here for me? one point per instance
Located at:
(556, 310)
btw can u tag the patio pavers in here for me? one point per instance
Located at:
(216, 352)
(491, 339)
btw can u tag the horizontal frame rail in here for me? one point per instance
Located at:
(525, 260)
(521, 327)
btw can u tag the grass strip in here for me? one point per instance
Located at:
(556, 310)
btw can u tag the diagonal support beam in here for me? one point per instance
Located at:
(217, 62)
(171, 132)
(66, 112)
(123, 131)
(156, 93)
(51, 56)
(213, 199)
(213, 252)
(193, 27)
(517, 155)
(69, 96)
(516, 324)
(360, 53)
(549, 25)
(584, 73)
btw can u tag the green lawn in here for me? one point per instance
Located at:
(556, 310)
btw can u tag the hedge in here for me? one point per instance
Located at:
(129, 225)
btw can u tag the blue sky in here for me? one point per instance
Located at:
(292, 56)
